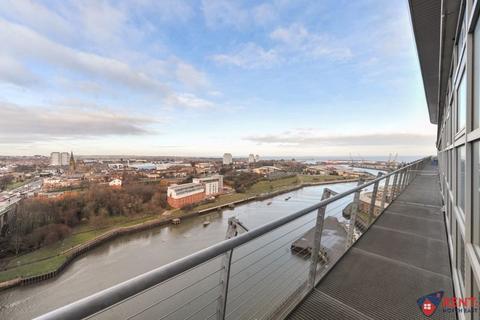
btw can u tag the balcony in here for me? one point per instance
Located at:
(377, 273)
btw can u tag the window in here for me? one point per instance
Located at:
(461, 103)
(461, 155)
(476, 77)
(461, 38)
(476, 191)
(461, 256)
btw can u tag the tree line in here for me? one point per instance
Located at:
(34, 223)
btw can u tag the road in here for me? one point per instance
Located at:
(8, 198)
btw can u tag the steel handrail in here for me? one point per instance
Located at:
(108, 297)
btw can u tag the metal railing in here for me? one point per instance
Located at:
(259, 274)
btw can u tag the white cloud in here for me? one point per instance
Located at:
(296, 38)
(189, 101)
(224, 13)
(190, 76)
(27, 44)
(106, 25)
(165, 10)
(264, 14)
(20, 124)
(11, 71)
(36, 16)
(290, 44)
(248, 56)
(310, 138)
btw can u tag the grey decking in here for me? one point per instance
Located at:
(403, 256)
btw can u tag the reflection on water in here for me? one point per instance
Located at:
(131, 255)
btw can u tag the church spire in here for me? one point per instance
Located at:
(73, 166)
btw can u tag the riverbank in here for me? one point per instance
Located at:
(38, 266)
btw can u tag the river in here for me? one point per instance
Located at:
(132, 255)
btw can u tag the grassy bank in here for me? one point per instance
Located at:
(50, 257)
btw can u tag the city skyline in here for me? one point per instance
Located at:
(178, 78)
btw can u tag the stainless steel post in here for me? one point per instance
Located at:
(404, 178)
(316, 245)
(400, 182)
(371, 209)
(353, 215)
(394, 187)
(384, 193)
(225, 277)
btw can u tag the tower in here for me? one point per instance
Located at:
(72, 165)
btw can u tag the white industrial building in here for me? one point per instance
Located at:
(59, 159)
(213, 184)
(55, 159)
(227, 159)
(65, 158)
(251, 158)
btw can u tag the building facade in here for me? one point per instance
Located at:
(227, 159)
(55, 159)
(179, 196)
(447, 35)
(213, 185)
(65, 158)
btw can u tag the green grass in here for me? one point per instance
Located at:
(274, 185)
(314, 179)
(49, 258)
(223, 199)
(16, 185)
(34, 269)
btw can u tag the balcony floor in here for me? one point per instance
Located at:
(403, 256)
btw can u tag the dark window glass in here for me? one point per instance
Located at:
(461, 156)
(461, 103)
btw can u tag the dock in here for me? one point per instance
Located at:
(334, 234)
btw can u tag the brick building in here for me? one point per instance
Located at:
(181, 195)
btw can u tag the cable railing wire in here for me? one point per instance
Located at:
(189, 301)
(288, 284)
(271, 262)
(201, 309)
(266, 244)
(294, 264)
(283, 245)
(265, 277)
(174, 294)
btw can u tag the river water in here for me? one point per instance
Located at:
(132, 255)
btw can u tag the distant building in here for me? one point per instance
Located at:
(115, 183)
(266, 170)
(55, 159)
(115, 166)
(319, 170)
(251, 158)
(181, 195)
(257, 158)
(72, 164)
(213, 185)
(143, 166)
(65, 159)
(227, 159)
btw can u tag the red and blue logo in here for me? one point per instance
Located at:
(428, 304)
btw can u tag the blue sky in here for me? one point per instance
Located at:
(200, 78)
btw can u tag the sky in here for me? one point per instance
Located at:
(200, 78)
